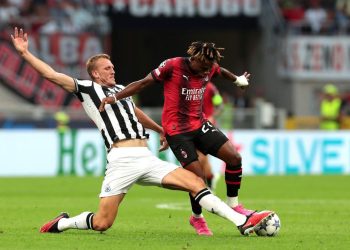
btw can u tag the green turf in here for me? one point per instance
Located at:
(314, 212)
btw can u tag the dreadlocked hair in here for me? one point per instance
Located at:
(205, 51)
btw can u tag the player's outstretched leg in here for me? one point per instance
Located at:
(63, 222)
(201, 194)
(240, 209)
(245, 224)
(254, 220)
(101, 221)
(51, 226)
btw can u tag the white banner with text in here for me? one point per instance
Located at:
(316, 57)
(82, 152)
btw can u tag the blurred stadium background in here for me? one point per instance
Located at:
(274, 123)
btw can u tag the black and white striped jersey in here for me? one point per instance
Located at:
(118, 121)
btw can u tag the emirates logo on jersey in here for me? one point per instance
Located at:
(183, 153)
(194, 94)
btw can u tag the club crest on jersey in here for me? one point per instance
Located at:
(183, 153)
(112, 93)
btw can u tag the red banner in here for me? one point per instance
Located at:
(65, 53)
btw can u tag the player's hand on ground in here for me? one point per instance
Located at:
(242, 81)
(106, 100)
(20, 40)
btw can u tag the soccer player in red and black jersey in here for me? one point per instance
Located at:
(186, 128)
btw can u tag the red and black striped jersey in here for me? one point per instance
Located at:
(208, 105)
(183, 94)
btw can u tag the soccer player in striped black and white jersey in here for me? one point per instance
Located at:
(122, 126)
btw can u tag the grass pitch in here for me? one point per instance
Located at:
(314, 212)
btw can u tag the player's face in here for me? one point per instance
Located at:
(104, 71)
(202, 68)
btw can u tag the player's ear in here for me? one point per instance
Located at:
(95, 74)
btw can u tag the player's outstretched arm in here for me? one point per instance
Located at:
(239, 81)
(148, 122)
(20, 42)
(129, 90)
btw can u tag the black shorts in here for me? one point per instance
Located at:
(207, 139)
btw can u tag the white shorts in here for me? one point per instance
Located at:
(129, 165)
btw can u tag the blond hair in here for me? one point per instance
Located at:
(91, 63)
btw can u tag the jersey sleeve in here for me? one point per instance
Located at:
(216, 70)
(162, 72)
(76, 83)
(81, 84)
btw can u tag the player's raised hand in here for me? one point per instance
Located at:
(247, 75)
(242, 81)
(106, 100)
(20, 40)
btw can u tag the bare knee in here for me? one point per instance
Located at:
(229, 154)
(235, 159)
(102, 224)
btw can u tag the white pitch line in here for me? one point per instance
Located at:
(174, 206)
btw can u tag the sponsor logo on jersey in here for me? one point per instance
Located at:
(193, 94)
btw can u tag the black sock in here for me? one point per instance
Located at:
(233, 177)
(209, 181)
(196, 208)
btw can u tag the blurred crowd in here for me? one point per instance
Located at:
(316, 17)
(327, 17)
(49, 16)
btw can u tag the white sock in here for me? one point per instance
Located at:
(232, 201)
(214, 205)
(197, 215)
(78, 222)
